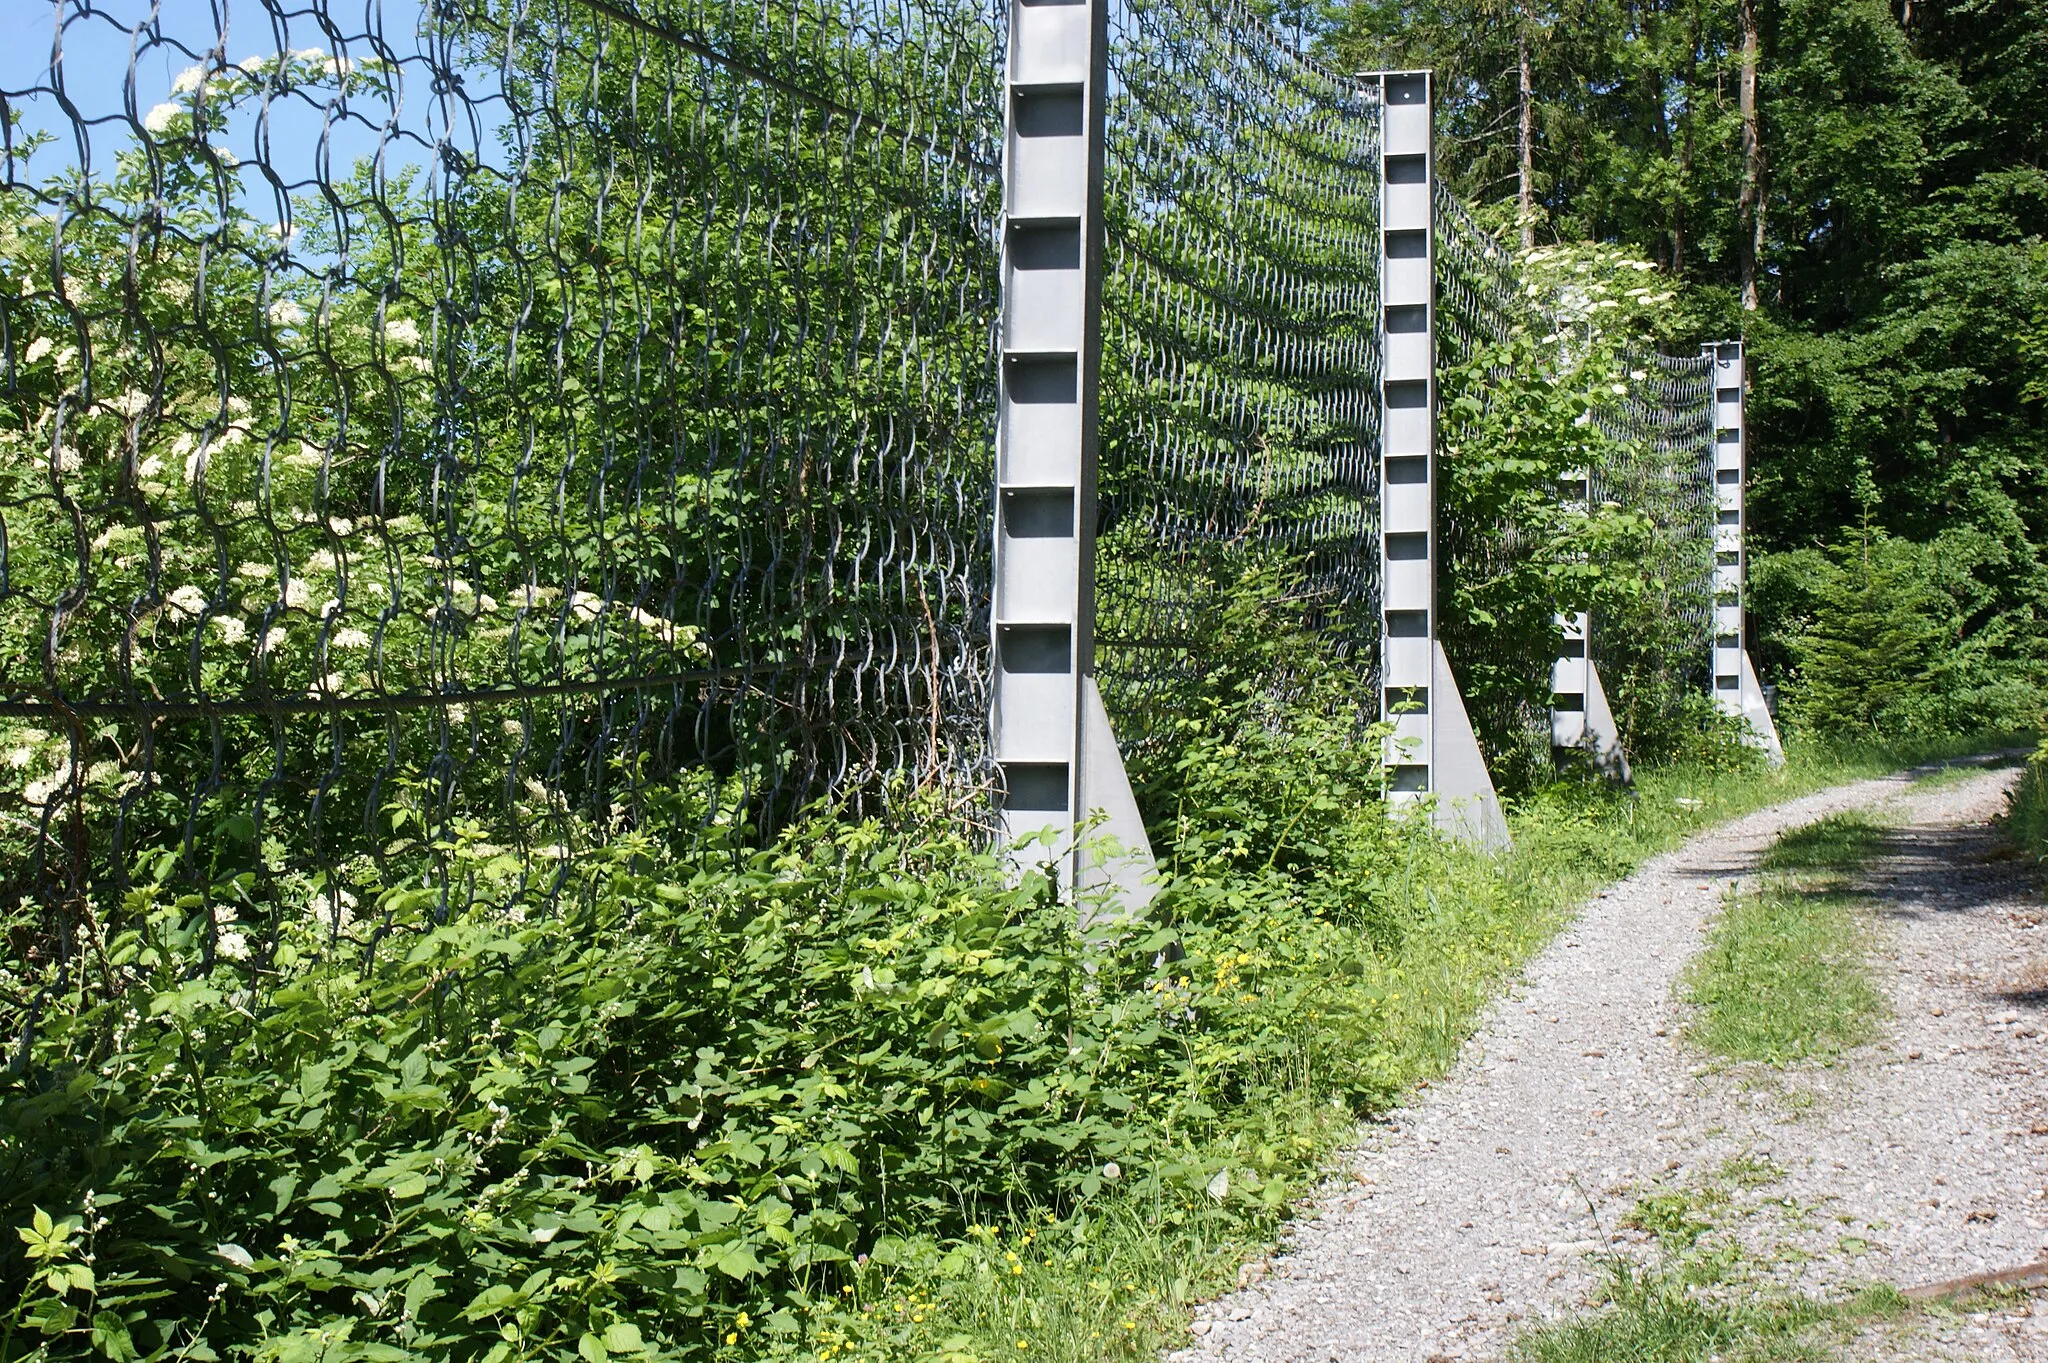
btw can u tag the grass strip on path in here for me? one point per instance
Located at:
(1782, 977)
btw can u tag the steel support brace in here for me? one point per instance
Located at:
(1058, 759)
(1581, 720)
(1432, 750)
(1734, 677)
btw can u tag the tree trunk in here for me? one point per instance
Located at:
(1751, 203)
(1525, 197)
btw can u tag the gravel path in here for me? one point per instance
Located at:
(1918, 1158)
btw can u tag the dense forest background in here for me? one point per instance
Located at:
(1859, 188)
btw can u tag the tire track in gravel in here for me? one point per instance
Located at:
(1479, 1208)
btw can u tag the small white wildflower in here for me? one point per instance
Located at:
(1619, 390)
(320, 561)
(401, 331)
(486, 603)
(159, 118)
(329, 607)
(68, 459)
(307, 456)
(259, 571)
(351, 638)
(232, 630)
(295, 594)
(39, 347)
(271, 638)
(286, 312)
(232, 945)
(1111, 1171)
(227, 159)
(1638, 374)
(150, 467)
(188, 80)
(341, 525)
(187, 600)
(331, 685)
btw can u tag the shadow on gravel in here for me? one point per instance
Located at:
(1929, 871)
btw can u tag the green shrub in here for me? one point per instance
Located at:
(2027, 820)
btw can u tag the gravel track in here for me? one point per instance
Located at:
(1478, 1208)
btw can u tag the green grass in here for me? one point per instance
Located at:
(1656, 1316)
(2027, 823)
(1782, 976)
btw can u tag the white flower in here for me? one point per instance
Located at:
(1638, 374)
(351, 638)
(259, 571)
(231, 629)
(286, 312)
(227, 159)
(271, 638)
(188, 80)
(159, 118)
(232, 945)
(307, 456)
(401, 331)
(486, 603)
(295, 594)
(1111, 1172)
(39, 347)
(341, 525)
(331, 684)
(68, 459)
(1619, 390)
(131, 403)
(187, 600)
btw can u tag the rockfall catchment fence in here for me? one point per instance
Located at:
(441, 437)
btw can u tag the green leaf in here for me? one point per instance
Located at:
(623, 1337)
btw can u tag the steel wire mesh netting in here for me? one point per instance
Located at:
(1661, 464)
(1240, 350)
(449, 437)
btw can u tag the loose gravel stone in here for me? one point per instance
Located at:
(1482, 1207)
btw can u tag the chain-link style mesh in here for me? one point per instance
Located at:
(1478, 296)
(434, 446)
(1660, 464)
(1240, 422)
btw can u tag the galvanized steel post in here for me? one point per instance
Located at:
(1734, 679)
(1432, 750)
(1058, 760)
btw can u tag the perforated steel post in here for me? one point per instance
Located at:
(1408, 427)
(1736, 689)
(1046, 431)
(1728, 481)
